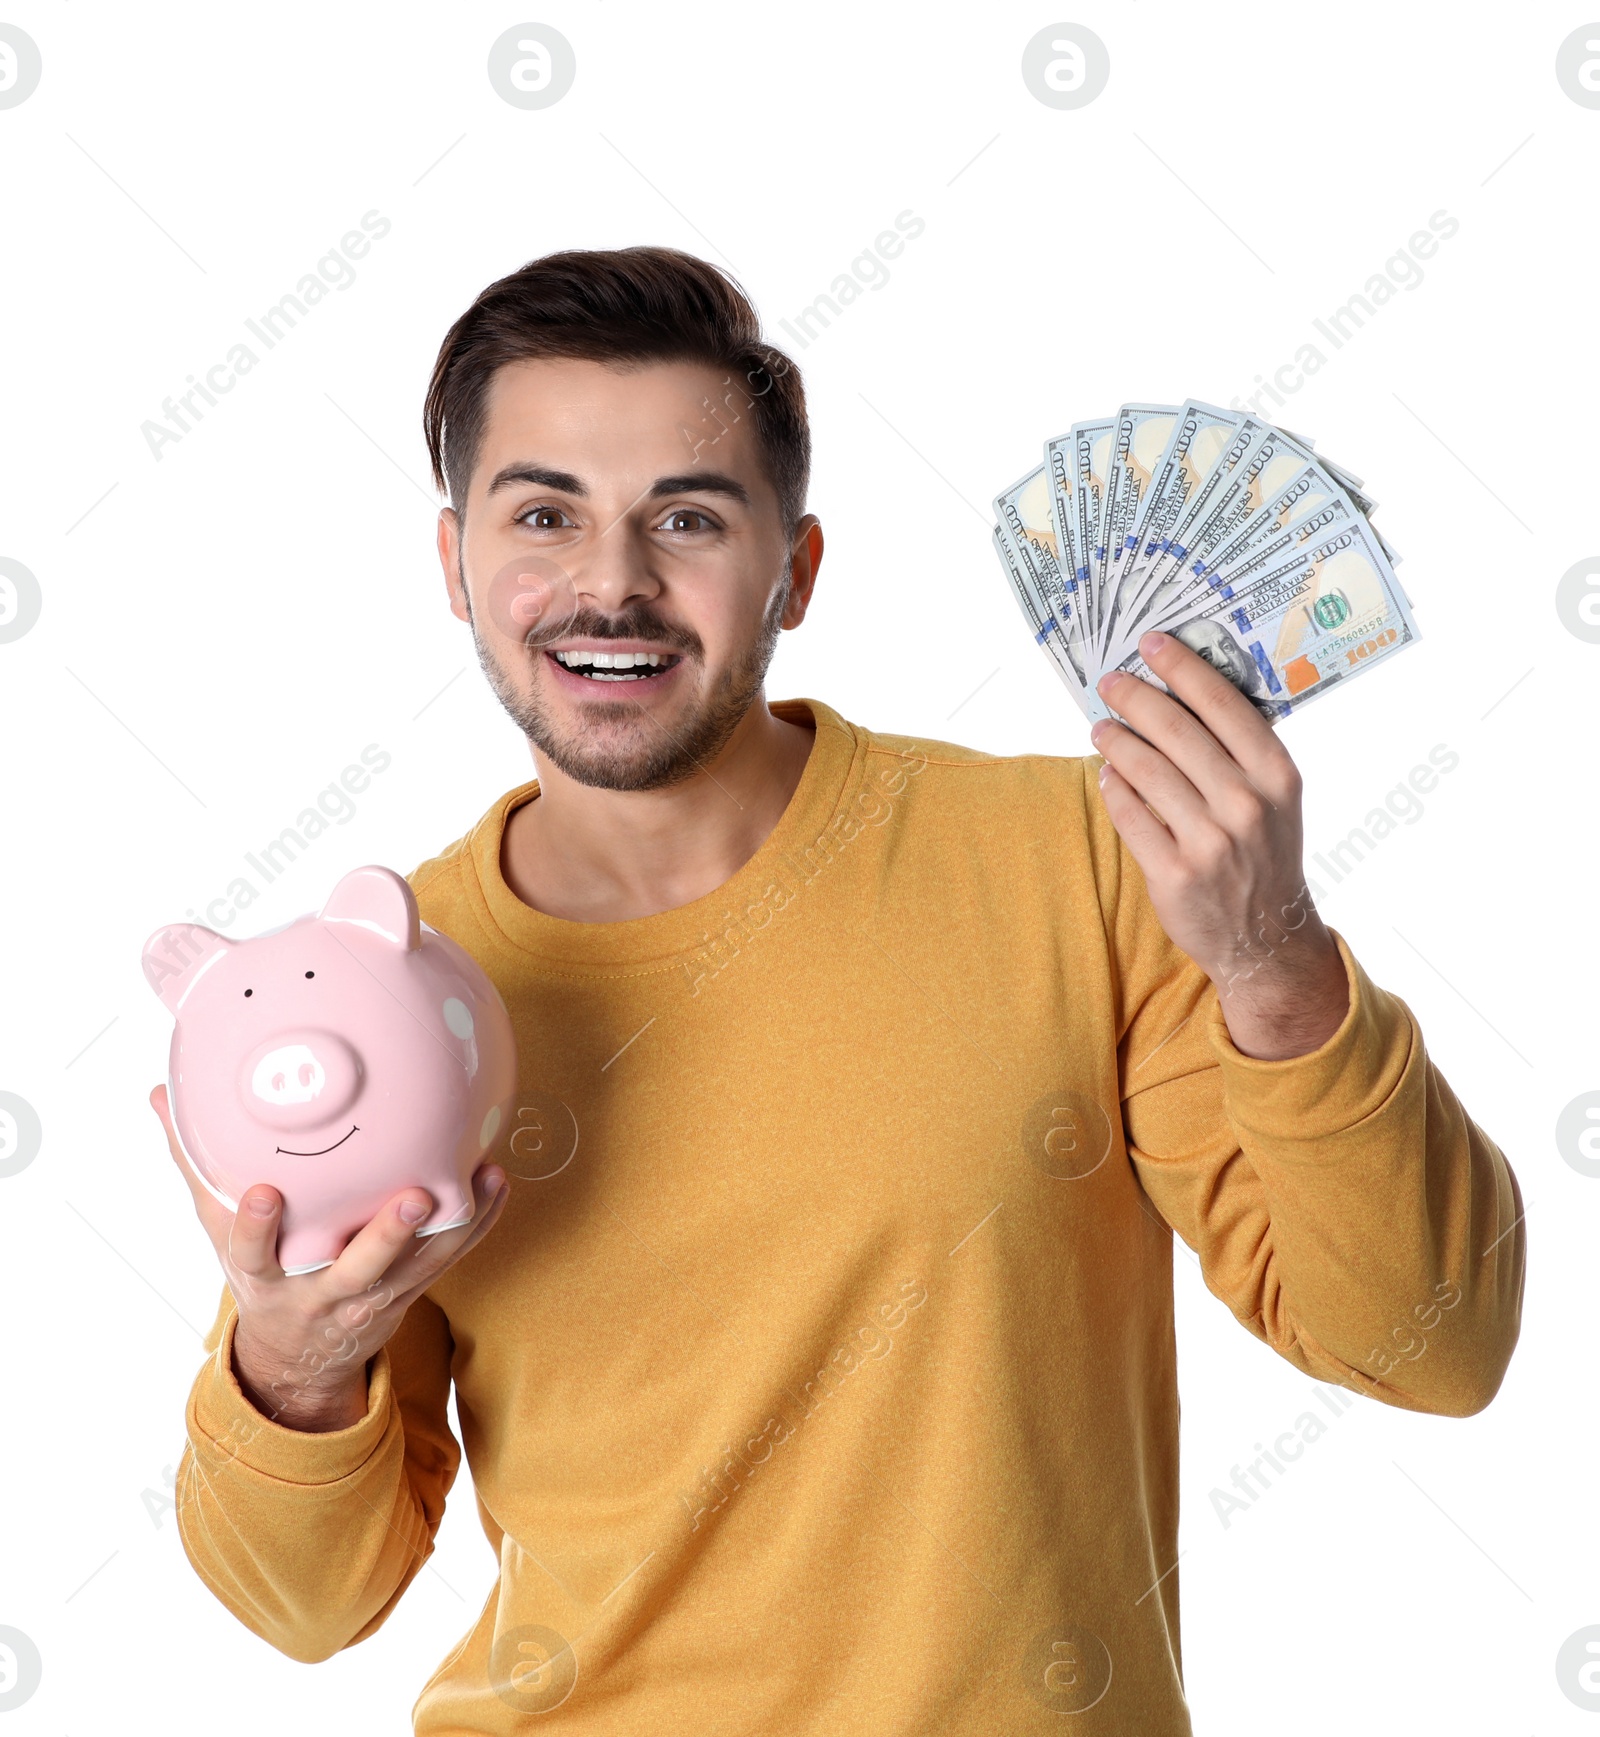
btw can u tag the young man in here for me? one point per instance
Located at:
(818, 1376)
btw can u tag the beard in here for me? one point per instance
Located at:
(620, 744)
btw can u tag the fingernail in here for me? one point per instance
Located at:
(259, 1206)
(413, 1212)
(1105, 773)
(1155, 642)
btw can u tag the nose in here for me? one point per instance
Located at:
(300, 1079)
(614, 570)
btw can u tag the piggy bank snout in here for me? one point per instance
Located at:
(299, 1079)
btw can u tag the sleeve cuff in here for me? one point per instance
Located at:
(225, 1429)
(1348, 1077)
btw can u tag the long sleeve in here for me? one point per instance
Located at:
(1343, 1204)
(311, 1539)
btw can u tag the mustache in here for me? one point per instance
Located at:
(639, 622)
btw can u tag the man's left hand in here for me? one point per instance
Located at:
(1221, 851)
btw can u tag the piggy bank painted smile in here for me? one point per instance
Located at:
(339, 1058)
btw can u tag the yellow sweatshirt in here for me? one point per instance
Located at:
(819, 1376)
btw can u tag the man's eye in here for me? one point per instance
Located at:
(544, 518)
(674, 520)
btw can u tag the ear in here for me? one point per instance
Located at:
(379, 900)
(176, 957)
(448, 542)
(805, 557)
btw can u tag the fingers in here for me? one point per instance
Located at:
(432, 1254)
(491, 1189)
(1244, 737)
(1170, 727)
(374, 1248)
(1189, 776)
(253, 1233)
(1144, 763)
(388, 1245)
(428, 1257)
(1153, 847)
(245, 1241)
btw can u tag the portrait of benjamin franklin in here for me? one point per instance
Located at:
(1223, 652)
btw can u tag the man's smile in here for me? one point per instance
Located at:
(606, 664)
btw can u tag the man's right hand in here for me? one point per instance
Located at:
(301, 1348)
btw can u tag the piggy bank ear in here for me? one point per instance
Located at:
(177, 956)
(379, 900)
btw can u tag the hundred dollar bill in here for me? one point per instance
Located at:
(1163, 573)
(1042, 624)
(1058, 465)
(1288, 529)
(1329, 611)
(1309, 487)
(1261, 554)
(1331, 553)
(1028, 545)
(1197, 444)
(1174, 552)
(1078, 466)
(1200, 433)
(1245, 530)
(1255, 515)
(1140, 439)
(1246, 480)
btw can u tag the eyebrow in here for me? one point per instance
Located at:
(714, 482)
(540, 476)
(688, 482)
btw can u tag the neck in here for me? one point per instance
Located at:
(604, 856)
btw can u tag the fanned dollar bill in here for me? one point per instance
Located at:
(1049, 591)
(1220, 528)
(1077, 466)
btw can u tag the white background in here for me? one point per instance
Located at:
(227, 627)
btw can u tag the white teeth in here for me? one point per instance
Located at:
(609, 660)
(612, 666)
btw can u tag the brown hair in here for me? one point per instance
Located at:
(627, 306)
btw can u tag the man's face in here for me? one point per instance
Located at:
(661, 535)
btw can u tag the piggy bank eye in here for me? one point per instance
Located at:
(249, 992)
(311, 974)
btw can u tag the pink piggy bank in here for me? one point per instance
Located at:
(340, 1058)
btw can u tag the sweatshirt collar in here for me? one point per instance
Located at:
(832, 769)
